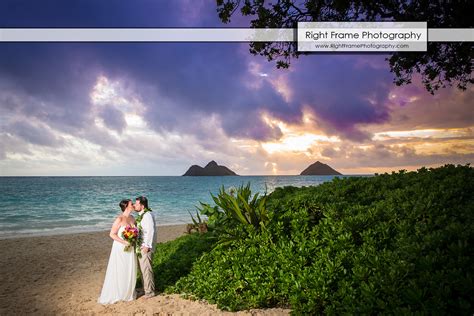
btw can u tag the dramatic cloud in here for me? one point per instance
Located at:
(113, 118)
(156, 108)
(342, 94)
(38, 135)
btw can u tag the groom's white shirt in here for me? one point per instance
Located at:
(149, 230)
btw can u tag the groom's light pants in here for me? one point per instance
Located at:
(147, 273)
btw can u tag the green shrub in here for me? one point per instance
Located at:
(394, 243)
(234, 212)
(174, 259)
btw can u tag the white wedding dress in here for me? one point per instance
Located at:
(121, 275)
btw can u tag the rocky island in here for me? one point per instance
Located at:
(211, 169)
(319, 169)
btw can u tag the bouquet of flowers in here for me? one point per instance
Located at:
(132, 235)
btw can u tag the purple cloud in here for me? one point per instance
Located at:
(113, 118)
(37, 135)
(201, 93)
(176, 81)
(342, 93)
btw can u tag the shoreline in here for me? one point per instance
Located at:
(74, 232)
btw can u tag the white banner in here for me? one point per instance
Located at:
(362, 36)
(184, 35)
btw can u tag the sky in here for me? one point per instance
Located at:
(157, 108)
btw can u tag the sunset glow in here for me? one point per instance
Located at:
(157, 108)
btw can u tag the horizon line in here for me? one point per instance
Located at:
(239, 175)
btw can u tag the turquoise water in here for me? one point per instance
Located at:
(56, 205)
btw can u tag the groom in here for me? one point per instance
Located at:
(146, 223)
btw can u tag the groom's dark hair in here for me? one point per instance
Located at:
(123, 204)
(143, 201)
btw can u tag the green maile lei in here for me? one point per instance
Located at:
(140, 237)
(140, 217)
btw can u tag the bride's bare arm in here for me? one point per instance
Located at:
(114, 230)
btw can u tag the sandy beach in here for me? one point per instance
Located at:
(63, 274)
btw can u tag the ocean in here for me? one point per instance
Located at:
(35, 206)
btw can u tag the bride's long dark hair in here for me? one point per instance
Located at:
(123, 204)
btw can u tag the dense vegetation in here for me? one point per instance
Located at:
(392, 243)
(174, 259)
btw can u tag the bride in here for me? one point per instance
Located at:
(121, 275)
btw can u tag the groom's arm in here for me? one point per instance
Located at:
(149, 229)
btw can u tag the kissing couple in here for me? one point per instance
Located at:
(121, 275)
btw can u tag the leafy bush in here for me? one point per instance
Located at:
(234, 212)
(393, 243)
(174, 259)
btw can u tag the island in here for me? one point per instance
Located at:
(319, 169)
(211, 169)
